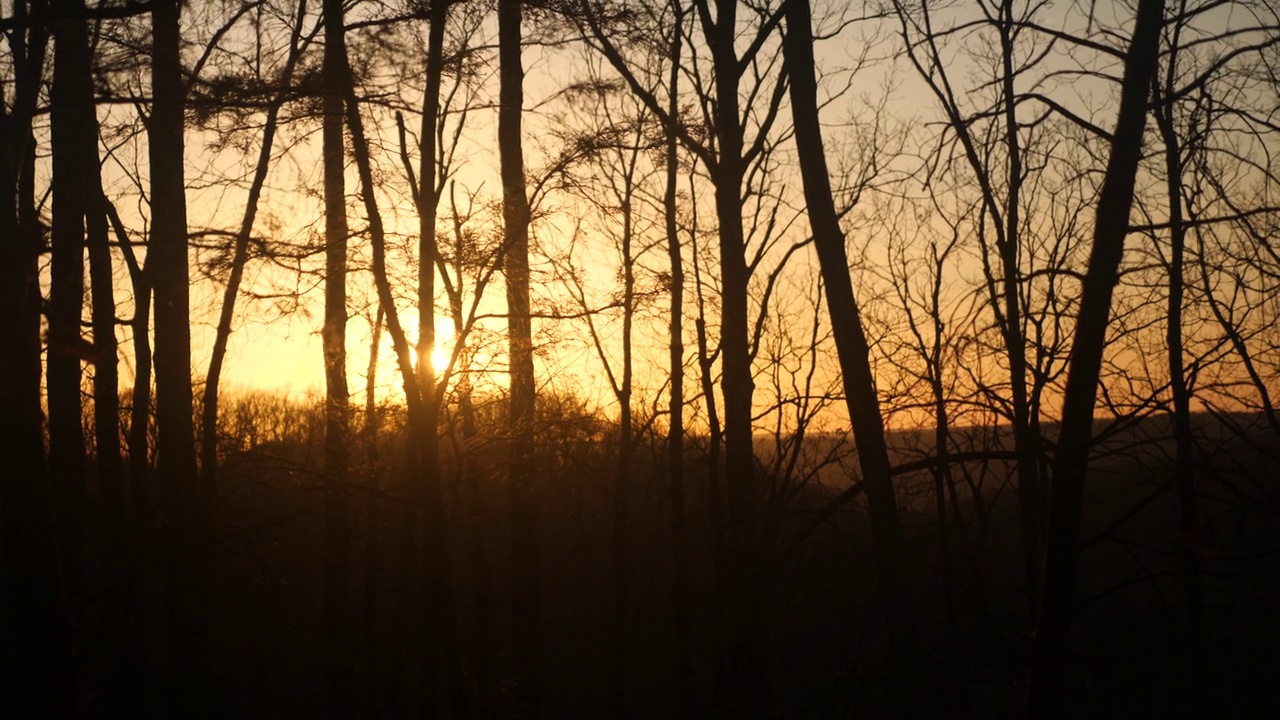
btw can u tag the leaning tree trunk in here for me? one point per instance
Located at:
(526, 595)
(1047, 671)
(240, 258)
(846, 324)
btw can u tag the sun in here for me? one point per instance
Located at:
(443, 350)
(440, 358)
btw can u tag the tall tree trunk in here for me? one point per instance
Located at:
(526, 594)
(337, 531)
(440, 612)
(851, 341)
(1027, 446)
(184, 518)
(444, 662)
(373, 516)
(36, 675)
(125, 632)
(240, 258)
(1047, 671)
(1184, 441)
(622, 475)
(484, 650)
(715, 488)
(130, 513)
(747, 681)
(675, 431)
(71, 103)
(141, 495)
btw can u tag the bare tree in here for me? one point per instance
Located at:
(240, 255)
(1003, 203)
(184, 516)
(1184, 440)
(728, 160)
(850, 336)
(526, 596)
(1071, 461)
(444, 663)
(338, 645)
(37, 670)
(71, 99)
(675, 428)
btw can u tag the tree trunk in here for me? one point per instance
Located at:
(141, 495)
(1184, 441)
(239, 258)
(1047, 671)
(36, 675)
(184, 518)
(133, 510)
(483, 648)
(622, 475)
(125, 633)
(1026, 439)
(444, 662)
(336, 616)
(851, 341)
(675, 431)
(439, 613)
(71, 103)
(526, 594)
(747, 681)
(373, 516)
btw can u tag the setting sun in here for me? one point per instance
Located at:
(443, 351)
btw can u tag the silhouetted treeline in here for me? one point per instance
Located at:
(692, 359)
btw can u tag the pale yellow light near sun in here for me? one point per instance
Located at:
(443, 350)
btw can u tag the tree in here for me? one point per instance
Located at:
(526, 595)
(612, 148)
(1071, 459)
(727, 159)
(71, 111)
(1002, 203)
(240, 252)
(437, 621)
(185, 517)
(846, 322)
(37, 666)
(675, 428)
(338, 645)
(1184, 440)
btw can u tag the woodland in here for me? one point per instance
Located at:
(639, 358)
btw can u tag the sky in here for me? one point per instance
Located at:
(275, 344)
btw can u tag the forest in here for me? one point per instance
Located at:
(639, 358)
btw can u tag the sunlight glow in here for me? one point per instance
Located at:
(440, 358)
(443, 351)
